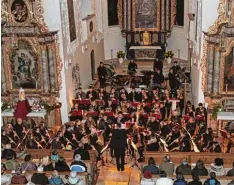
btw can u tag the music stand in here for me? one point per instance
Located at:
(135, 160)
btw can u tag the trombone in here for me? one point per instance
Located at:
(195, 148)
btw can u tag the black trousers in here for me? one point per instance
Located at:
(120, 155)
(102, 82)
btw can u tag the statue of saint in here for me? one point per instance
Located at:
(23, 107)
(146, 38)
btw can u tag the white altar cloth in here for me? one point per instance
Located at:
(145, 47)
(225, 116)
(10, 113)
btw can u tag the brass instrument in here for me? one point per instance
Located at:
(38, 144)
(164, 145)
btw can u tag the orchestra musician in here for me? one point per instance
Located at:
(80, 94)
(132, 95)
(91, 94)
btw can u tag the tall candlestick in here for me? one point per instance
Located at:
(226, 88)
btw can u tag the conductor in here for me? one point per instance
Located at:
(119, 143)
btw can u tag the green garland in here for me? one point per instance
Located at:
(47, 107)
(215, 111)
(4, 106)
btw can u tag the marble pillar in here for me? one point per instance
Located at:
(51, 69)
(210, 62)
(216, 75)
(45, 75)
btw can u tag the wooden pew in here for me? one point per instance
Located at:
(192, 157)
(224, 180)
(82, 175)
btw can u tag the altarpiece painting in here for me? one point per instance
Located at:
(71, 17)
(229, 72)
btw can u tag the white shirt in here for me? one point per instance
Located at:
(164, 181)
(147, 182)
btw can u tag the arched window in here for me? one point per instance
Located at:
(179, 13)
(112, 12)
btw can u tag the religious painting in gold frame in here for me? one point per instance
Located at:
(146, 15)
(23, 65)
(227, 69)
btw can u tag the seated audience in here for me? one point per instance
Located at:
(39, 177)
(151, 167)
(5, 178)
(47, 164)
(231, 183)
(164, 180)
(28, 165)
(83, 152)
(184, 168)
(231, 171)
(195, 181)
(78, 165)
(11, 162)
(212, 180)
(147, 180)
(200, 169)
(55, 179)
(61, 165)
(217, 167)
(19, 177)
(167, 165)
(180, 180)
(73, 179)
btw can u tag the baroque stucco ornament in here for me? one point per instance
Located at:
(72, 46)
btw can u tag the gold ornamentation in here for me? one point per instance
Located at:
(230, 43)
(204, 66)
(173, 12)
(222, 18)
(39, 16)
(59, 65)
(120, 10)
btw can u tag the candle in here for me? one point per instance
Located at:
(226, 87)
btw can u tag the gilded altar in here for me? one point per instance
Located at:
(30, 56)
(218, 61)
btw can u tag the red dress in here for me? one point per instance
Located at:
(22, 109)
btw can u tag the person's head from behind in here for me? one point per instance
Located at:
(233, 165)
(151, 161)
(218, 162)
(10, 157)
(101, 64)
(163, 174)
(195, 177)
(3, 168)
(179, 176)
(54, 173)
(27, 158)
(200, 164)
(77, 157)
(212, 175)
(167, 158)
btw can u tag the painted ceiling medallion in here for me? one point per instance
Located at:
(19, 11)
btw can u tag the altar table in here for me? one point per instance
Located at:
(145, 52)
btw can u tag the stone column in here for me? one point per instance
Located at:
(3, 77)
(216, 75)
(51, 69)
(45, 75)
(210, 62)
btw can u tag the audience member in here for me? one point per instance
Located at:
(5, 178)
(195, 181)
(61, 165)
(73, 179)
(147, 180)
(39, 177)
(184, 168)
(28, 165)
(212, 180)
(11, 162)
(180, 180)
(8, 152)
(18, 177)
(55, 179)
(217, 167)
(151, 166)
(82, 152)
(231, 171)
(54, 156)
(47, 164)
(78, 165)
(167, 165)
(200, 169)
(231, 183)
(164, 180)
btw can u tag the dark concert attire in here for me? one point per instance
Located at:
(119, 143)
(80, 95)
(132, 66)
(102, 76)
(158, 64)
(174, 84)
(84, 154)
(19, 129)
(132, 96)
(158, 79)
(175, 69)
(94, 95)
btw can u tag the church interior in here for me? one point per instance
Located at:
(117, 92)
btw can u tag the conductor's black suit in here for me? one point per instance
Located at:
(119, 143)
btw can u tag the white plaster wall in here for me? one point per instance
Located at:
(179, 35)
(86, 8)
(52, 18)
(113, 39)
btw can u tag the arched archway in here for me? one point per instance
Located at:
(92, 58)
